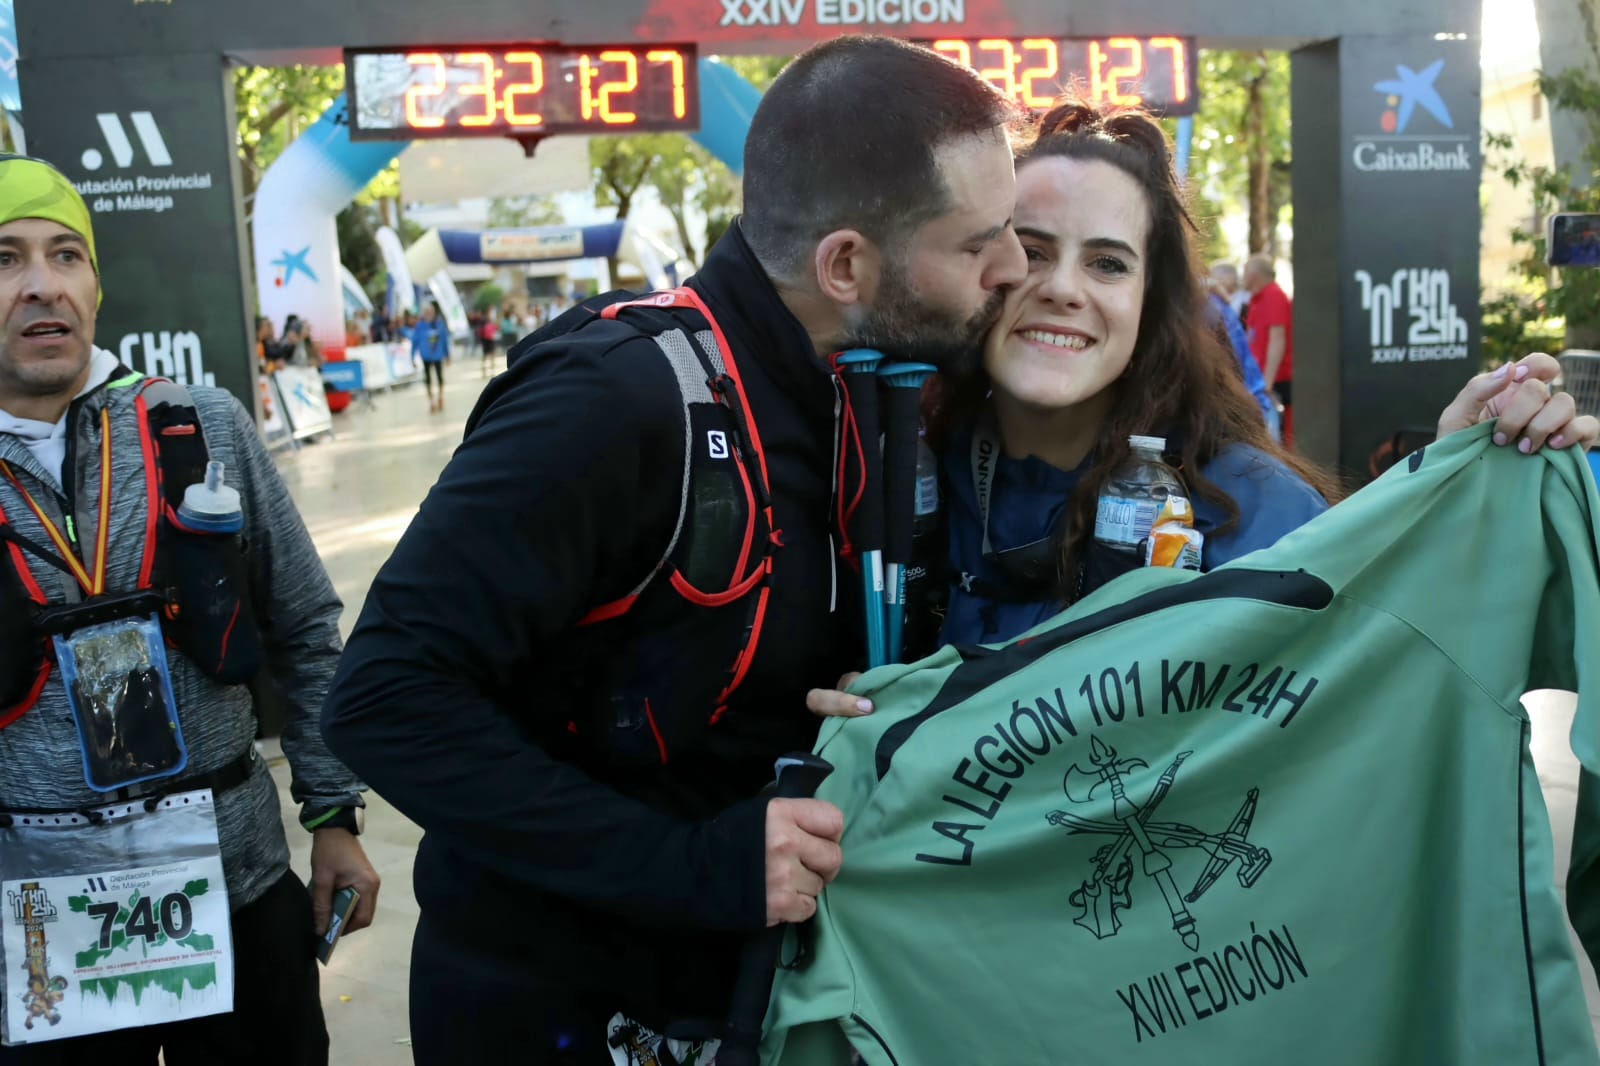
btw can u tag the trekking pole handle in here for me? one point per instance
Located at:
(799, 775)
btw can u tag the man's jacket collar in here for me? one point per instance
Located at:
(748, 307)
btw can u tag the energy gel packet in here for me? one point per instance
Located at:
(1173, 540)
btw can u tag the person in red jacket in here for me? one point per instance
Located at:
(1270, 320)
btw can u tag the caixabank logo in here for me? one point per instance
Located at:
(1417, 130)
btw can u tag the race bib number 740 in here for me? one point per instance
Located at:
(106, 951)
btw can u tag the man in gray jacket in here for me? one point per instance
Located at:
(102, 562)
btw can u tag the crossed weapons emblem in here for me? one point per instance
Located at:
(1132, 826)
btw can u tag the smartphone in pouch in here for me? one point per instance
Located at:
(344, 903)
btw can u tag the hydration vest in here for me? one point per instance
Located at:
(637, 665)
(196, 581)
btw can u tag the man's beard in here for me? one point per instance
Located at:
(905, 327)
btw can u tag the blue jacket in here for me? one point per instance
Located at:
(1247, 362)
(1030, 496)
(431, 340)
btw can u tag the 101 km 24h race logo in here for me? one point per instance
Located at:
(1133, 828)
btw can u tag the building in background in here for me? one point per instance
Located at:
(1513, 107)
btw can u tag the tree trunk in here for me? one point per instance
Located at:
(1259, 160)
(624, 205)
(680, 220)
(1569, 36)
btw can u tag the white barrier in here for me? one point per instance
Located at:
(304, 402)
(376, 372)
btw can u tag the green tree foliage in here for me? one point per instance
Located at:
(358, 245)
(683, 174)
(516, 212)
(1547, 301)
(622, 166)
(274, 105)
(687, 180)
(1241, 154)
(488, 297)
(759, 71)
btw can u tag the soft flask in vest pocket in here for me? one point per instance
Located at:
(663, 682)
(201, 552)
(661, 693)
(1103, 564)
(211, 621)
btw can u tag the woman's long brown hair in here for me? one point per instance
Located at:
(1183, 381)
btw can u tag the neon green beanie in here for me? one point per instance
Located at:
(32, 188)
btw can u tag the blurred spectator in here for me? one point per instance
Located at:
(1225, 279)
(1270, 321)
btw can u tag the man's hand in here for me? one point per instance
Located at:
(803, 855)
(1517, 396)
(338, 861)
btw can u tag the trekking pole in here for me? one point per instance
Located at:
(901, 417)
(858, 369)
(799, 775)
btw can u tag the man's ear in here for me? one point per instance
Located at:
(848, 267)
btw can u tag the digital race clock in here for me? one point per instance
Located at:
(464, 91)
(1153, 72)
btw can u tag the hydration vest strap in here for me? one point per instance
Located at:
(727, 385)
(24, 705)
(607, 611)
(32, 547)
(153, 489)
(93, 581)
(687, 297)
(848, 445)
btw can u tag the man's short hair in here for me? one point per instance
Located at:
(1261, 266)
(1223, 270)
(845, 139)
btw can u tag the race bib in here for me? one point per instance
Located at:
(137, 934)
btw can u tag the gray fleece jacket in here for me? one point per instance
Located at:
(40, 761)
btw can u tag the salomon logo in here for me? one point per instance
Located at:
(718, 442)
(116, 136)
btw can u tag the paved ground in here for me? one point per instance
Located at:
(358, 493)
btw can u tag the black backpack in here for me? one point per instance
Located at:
(643, 695)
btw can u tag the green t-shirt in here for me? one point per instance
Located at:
(1281, 813)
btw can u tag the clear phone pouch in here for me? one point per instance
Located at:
(120, 687)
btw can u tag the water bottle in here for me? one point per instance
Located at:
(1132, 500)
(210, 506)
(212, 622)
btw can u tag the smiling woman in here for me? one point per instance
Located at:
(1108, 337)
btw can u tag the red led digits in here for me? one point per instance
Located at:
(1004, 75)
(680, 104)
(1180, 69)
(1047, 68)
(1106, 79)
(468, 90)
(530, 88)
(483, 88)
(1156, 72)
(417, 93)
